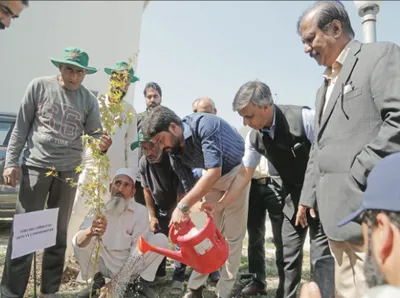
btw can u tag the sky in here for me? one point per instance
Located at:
(191, 48)
(211, 48)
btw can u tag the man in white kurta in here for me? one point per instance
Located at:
(123, 223)
(119, 154)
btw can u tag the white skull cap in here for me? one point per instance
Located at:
(130, 172)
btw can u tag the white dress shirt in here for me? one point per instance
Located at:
(122, 234)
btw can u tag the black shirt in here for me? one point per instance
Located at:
(161, 180)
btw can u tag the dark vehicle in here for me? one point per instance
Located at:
(8, 195)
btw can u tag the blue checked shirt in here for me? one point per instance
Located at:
(210, 142)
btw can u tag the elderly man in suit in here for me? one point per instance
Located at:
(357, 123)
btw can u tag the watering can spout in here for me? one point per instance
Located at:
(144, 247)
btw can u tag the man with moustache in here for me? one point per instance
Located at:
(123, 223)
(284, 135)
(119, 154)
(153, 97)
(10, 10)
(379, 215)
(357, 124)
(54, 113)
(162, 191)
(204, 141)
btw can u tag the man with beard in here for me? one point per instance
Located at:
(204, 141)
(10, 10)
(123, 223)
(54, 113)
(153, 96)
(357, 124)
(162, 191)
(119, 154)
(380, 217)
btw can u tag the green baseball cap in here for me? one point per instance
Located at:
(122, 66)
(76, 57)
(140, 139)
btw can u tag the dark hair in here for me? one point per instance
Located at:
(369, 217)
(327, 11)
(152, 85)
(25, 2)
(158, 120)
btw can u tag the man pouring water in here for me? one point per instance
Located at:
(124, 221)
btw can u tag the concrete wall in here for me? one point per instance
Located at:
(107, 30)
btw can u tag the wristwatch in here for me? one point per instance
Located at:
(184, 208)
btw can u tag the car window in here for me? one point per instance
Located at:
(5, 132)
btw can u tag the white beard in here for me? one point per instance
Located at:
(116, 206)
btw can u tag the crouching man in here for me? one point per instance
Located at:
(120, 228)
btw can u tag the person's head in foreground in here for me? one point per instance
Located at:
(121, 77)
(73, 66)
(254, 103)
(325, 30)
(122, 190)
(163, 127)
(204, 105)
(150, 150)
(380, 217)
(10, 10)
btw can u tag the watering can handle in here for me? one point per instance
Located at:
(173, 235)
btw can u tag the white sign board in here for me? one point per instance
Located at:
(34, 231)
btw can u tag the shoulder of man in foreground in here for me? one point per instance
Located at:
(43, 80)
(379, 49)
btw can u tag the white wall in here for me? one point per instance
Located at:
(107, 30)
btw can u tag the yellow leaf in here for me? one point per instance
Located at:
(49, 173)
(78, 169)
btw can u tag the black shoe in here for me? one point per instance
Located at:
(253, 288)
(98, 283)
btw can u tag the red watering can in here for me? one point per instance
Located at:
(205, 250)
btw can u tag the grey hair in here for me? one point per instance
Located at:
(253, 91)
(327, 11)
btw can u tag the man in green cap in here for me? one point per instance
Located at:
(119, 153)
(10, 10)
(55, 112)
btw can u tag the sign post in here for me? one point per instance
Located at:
(33, 231)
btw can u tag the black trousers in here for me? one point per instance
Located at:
(139, 195)
(164, 216)
(263, 198)
(293, 241)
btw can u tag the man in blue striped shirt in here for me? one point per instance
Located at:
(206, 141)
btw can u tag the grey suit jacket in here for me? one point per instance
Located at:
(360, 126)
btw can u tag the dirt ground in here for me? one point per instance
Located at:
(70, 287)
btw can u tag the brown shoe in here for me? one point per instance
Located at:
(254, 288)
(194, 293)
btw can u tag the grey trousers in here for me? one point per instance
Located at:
(35, 190)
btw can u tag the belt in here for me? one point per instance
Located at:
(262, 181)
